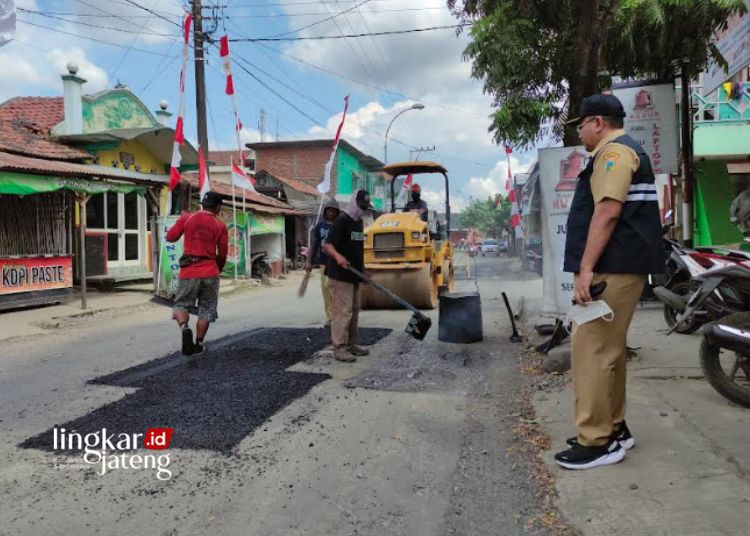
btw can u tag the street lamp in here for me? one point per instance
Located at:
(385, 148)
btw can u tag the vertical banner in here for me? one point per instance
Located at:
(236, 254)
(651, 120)
(169, 258)
(558, 176)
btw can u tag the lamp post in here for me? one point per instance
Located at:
(385, 148)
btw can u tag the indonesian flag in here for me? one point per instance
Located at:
(241, 178)
(402, 195)
(202, 174)
(324, 186)
(226, 68)
(7, 21)
(179, 130)
(508, 152)
(515, 216)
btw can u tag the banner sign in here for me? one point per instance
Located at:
(169, 255)
(558, 176)
(651, 120)
(734, 45)
(263, 224)
(36, 273)
(21, 184)
(237, 245)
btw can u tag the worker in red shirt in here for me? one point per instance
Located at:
(205, 253)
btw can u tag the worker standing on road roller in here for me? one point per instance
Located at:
(417, 204)
(345, 246)
(317, 257)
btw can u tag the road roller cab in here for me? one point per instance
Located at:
(405, 254)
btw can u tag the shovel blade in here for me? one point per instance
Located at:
(418, 326)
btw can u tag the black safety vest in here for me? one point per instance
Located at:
(636, 245)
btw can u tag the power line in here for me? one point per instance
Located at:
(322, 37)
(281, 4)
(130, 46)
(151, 11)
(359, 42)
(89, 38)
(82, 23)
(330, 17)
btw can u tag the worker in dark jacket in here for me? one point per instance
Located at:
(417, 204)
(317, 257)
(345, 246)
(613, 235)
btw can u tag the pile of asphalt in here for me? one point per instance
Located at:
(216, 401)
(416, 366)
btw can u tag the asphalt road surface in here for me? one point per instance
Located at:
(269, 435)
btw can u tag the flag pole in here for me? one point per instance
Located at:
(234, 232)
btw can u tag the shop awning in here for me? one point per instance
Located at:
(12, 183)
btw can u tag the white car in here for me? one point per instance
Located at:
(490, 246)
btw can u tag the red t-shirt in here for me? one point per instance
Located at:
(205, 236)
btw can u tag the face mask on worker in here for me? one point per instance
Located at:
(364, 204)
(415, 196)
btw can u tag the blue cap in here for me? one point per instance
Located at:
(599, 104)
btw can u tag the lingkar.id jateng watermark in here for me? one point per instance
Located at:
(113, 451)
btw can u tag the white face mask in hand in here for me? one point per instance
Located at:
(583, 314)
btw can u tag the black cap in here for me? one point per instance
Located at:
(363, 197)
(599, 104)
(211, 200)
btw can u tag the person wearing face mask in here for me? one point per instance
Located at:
(417, 204)
(345, 246)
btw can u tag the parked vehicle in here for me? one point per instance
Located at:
(533, 261)
(474, 250)
(725, 356)
(491, 246)
(260, 267)
(301, 258)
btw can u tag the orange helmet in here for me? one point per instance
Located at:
(416, 188)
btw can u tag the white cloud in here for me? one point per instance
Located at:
(96, 77)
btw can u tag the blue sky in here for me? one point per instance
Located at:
(115, 41)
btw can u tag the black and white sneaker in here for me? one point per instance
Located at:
(187, 341)
(622, 435)
(580, 457)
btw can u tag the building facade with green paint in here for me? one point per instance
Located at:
(721, 150)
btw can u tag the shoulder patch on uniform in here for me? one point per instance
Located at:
(610, 159)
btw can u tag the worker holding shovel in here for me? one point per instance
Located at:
(345, 246)
(317, 257)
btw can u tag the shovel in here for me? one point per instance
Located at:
(418, 325)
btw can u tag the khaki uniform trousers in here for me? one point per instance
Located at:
(599, 353)
(345, 319)
(327, 289)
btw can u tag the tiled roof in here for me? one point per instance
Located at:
(18, 139)
(226, 189)
(25, 164)
(296, 185)
(40, 113)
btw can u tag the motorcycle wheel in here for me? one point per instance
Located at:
(670, 314)
(727, 383)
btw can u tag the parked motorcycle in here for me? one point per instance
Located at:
(729, 375)
(301, 259)
(261, 267)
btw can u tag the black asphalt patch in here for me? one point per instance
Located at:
(218, 401)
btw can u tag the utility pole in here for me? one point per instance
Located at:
(688, 181)
(262, 125)
(200, 77)
(420, 151)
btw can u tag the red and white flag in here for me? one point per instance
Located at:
(241, 178)
(403, 194)
(515, 215)
(179, 130)
(202, 174)
(508, 152)
(324, 186)
(226, 67)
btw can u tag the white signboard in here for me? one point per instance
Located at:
(734, 45)
(651, 120)
(558, 176)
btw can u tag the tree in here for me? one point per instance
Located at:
(487, 216)
(539, 59)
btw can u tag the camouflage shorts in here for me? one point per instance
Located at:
(205, 291)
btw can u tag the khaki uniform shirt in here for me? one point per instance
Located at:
(614, 165)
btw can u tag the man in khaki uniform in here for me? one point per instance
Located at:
(613, 235)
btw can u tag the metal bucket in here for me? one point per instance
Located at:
(460, 317)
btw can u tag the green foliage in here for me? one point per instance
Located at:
(539, 59)
(487, 216)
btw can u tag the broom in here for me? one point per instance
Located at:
(303, 286)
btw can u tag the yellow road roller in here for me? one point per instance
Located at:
(410, 257)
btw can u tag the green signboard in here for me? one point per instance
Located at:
(265, 224)
(21, 184)
(169, 259)
(237, 245)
